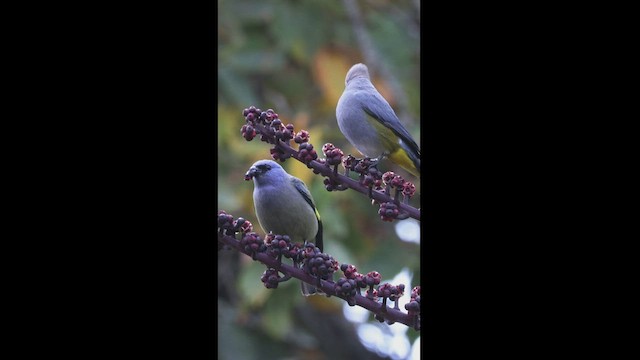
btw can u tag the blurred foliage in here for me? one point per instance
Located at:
(292, 56)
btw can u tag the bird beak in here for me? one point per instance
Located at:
(253, 171)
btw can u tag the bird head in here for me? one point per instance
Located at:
(260, 168)
(357, 71)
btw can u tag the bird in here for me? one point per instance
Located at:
(284, 206)
(369, 123)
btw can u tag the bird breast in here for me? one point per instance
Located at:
(276, 214)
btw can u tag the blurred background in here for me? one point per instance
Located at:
(292, 56)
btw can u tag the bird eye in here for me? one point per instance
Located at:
(264, 167)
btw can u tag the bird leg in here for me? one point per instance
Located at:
(376, 161)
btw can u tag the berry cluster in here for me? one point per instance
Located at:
(372, 278)
(388, 177)
(388, 211)
(317, 263)
(333, 154)
(248, 132)
(242, 225)
(413, 306)
(347, 289)
(278, 155)
(270, 278)
(272, 130)
(268, 116)
(362, 165)
(408, 191)
(277, 245)
(394, 293)
(348, 163)
(406, 188)
(252, 116)
(228, 226)
(294, 253)
(284, 133)
(391, 292)
(373, 179)
(306, 153)
(350, 285)
(333, 157)
(301, 137)
(370, 176)
(349, 271)
(269, 126)
(251, 242)
(393, 180)
(225, 223)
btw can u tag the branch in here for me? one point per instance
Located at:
(269, 134)
(382, 311)
(326, 171)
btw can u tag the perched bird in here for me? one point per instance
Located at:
(284, 206)
(367, 120)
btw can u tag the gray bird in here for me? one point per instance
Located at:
(369, 123)
(284, 206)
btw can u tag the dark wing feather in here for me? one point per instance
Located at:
(378, 108)
(302, 189)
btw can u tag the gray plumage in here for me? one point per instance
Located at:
(369, 123)
(284, 206)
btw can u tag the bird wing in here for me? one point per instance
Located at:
(378, 108)
(302, 189)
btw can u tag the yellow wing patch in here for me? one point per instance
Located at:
(391, 143)
(388, 138)
(400, 157)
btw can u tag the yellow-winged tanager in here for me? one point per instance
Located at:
(284, 206)
(367, 120)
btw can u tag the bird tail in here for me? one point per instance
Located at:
(407, 158)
